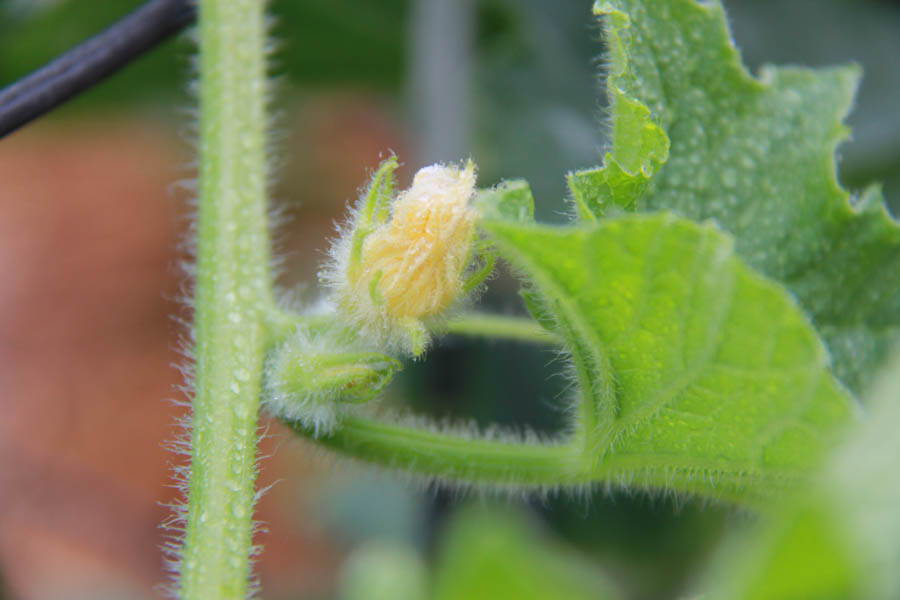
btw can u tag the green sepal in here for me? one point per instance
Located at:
(416, 335)
(374, 208)
(485, 253)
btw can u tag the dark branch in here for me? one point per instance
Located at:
(92, 61)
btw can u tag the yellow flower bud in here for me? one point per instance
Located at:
(419, 256)
(388, 276)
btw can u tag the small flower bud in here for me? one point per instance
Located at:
(390, 274)
(314, 378)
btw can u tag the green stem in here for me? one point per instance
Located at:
(452, 456)
(469, 460)
(517, 329)
(510, 328)
(232, 296)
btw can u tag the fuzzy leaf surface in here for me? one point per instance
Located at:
(756, 155)
(696, 373)
(841, 537)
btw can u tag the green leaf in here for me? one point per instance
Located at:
(489, 554)
(756, 155)
(510, 201)
(538, 310)
(841, 537)
(607, 191)
(695, 372)
(639, 144)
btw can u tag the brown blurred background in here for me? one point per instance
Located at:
(90, 223)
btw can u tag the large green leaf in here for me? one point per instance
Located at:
(695, 373)
(639, 144)
(841, 537)
(756, 155)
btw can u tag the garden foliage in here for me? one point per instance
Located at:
(723, 301)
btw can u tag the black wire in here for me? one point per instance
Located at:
(92, 61)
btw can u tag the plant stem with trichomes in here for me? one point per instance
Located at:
(231, 298)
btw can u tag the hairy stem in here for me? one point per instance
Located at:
(453, 456)
(515, 465)
(475, 324)
(232, 295)
(519, 329)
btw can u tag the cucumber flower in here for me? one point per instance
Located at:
(404, 261)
